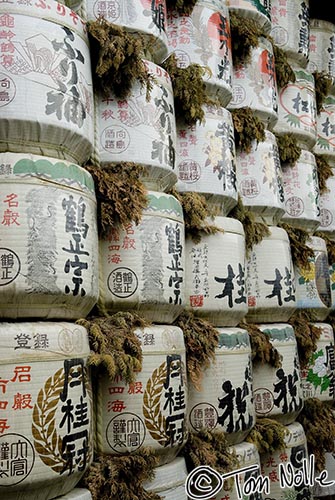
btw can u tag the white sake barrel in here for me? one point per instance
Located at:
(297, 109)
(254, 84)
(140, 130)
(77, 494)
(325, 126)
(278, 391)
(215, 274)
(142, 267)
(247, 456)
(327, 208)
(206, 159)
(46, 82)
(294, 453)
(313, 285)
(204, 38)
(225, 401)
(329, 490)
(318, 378)
(302, 194)
(259, 11)
(169, 481)
(270, 279)
(259, 180)
(139, 17)
(290, 29)
(48, 238)
(321, 47)
(151, 411)
(46, 420)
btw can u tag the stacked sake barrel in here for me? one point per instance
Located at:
(48, 251)
(142, 266)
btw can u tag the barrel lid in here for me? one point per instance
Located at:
(317, 244)
(322, 25)
(233, 338)
(327, 332)
(228, 224)
(276, 233)
(48, 10)
(296, 435)
(28, 166)
(42, 341)
(328, 101)
(282, 332)
(303, 75)
(247, 453)
(168, 476)
(161, 339)
(307, 157)
(77, 494)
(164, 205)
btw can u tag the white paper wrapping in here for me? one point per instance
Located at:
(290, 29)
(302, 194)
(313, 285)
(151, 411)
(297, 109)
(142, 268)
(169, 481)
(325, 126)
(146, 18)
(225, 401)
(294, 453)
(204, 38)
(48, 238)
(215, 274)
(140, 130)
(46, 409)
(77, 494)
(46, 82)
(254, 84)
(278, 391)
(318, 378)
(327, 208)
(271, 281)
(322, 47)
(259, 180)
(259, 11)
(206, 159)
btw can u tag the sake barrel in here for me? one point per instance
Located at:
(215, 274)
(327, 208)
(206, 159)
(142, 267)
(327, 490)
(204, 38)
(140, 129)
(313, 290)
(259, 180)
(46, 82)
(302, 195)
(270, 281)
(259, 11)
(77, 494)
(46, 409)
(325, 126)
(254, 84)
(48, 238)
(169, 480)
(142, 18)
(283, 465)
(297, 109)
(225, 400)
(322, 48)
(291, 30)
(278, 390)
(151, 411)
(318, 377)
